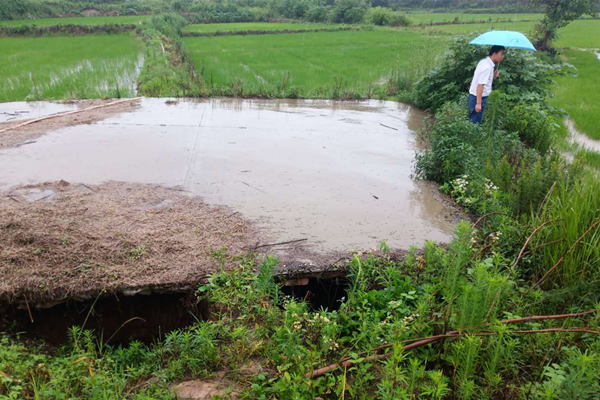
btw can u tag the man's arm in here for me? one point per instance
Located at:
(479, 97)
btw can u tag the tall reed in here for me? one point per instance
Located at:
(576, 208)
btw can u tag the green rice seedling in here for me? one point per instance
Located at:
(61, 67)
(333, 64)
(579, 94)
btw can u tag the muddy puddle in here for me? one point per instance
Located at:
(335, 174)
(21, 110)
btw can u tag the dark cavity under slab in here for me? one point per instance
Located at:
(147, 317)
(113, 319)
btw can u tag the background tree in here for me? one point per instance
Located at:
(558, 14)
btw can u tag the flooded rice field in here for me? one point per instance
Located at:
(336, 175)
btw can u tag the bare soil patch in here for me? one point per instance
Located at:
(62, 240)
(27, 134)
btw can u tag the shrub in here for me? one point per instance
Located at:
(452, 153)
(534, 126)
(348, 11)
(317, 14)
(385, 16)
(523, 77)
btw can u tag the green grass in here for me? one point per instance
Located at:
(580, 95)
(589, 158)
(62, 67)
(425, 17)
(581, 34)
(251, 26)
(309, 64)
(125, 19)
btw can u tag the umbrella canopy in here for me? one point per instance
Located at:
(509, 39)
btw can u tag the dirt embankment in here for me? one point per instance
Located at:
(62, 240)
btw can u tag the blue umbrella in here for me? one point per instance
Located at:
(509, 39)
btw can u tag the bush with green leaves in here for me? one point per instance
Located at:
(504, 165)
(524, 77)
(384, 16)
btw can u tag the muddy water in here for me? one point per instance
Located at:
(335, 173)
(21, 110)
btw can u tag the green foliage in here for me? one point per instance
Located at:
(384, 16)
(192, 351)
(533, 124)
(577, 377)
(523, 77)
(574, 206)
(167, 70)
(348, 11)
(504, 165)
(558, 14)
(455, 288)
(452, 139)
(15, 9)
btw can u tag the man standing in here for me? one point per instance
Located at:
(481, 86)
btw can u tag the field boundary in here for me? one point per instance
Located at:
(34, 31)
(483, 21)
(265, 32)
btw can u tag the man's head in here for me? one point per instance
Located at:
(497, 53)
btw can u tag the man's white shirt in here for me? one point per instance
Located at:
(484, 75)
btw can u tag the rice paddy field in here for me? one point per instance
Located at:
(579, 95)
(317, 64)
(123, 19)
(65, 67)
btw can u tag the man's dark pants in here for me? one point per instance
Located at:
(476, 117)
